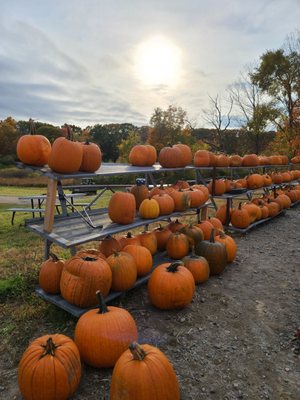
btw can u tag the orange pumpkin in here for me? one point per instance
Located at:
(181, 200)
(66, 155)
(142, 258)
(216, 187)
(202, 158)
(206, 227)
(149, 208)
(240, 217)
(221, 214)
(156, 376)
(50, 274)
(129, 238)
(143, 155)
(165, 202)
(148, 240)
(121, 208)
(91, 157)
(171, 286)
(177, 245)
(124, 271)
(140, 192)
(162, 235)
(171, 157)
(186, 152)
(33, 149)
(198, 266)
(109, 245)
(250, 160)
(235, 160)
(50, 368)
(197, 197)
(108, 331)
(230, 245)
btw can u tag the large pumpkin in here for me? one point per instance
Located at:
(50, 274)
(171, 157)
(143, 155)
(214, 252)
(33, 149)
(122, 207)
(66, 155)
(144, 373)
(171, 286)
(91, 157)
(103, 334)
(49, 369)
(82, 277)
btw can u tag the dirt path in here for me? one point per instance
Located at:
(236, 340)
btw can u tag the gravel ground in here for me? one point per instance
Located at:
(236, 340)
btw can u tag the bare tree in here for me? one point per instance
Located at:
(220, 120)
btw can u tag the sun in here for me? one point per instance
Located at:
(158, 62)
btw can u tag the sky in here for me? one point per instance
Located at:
(112, 61)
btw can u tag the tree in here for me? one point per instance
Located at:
(126, 145)
(8, 140)
(215, 116)
(51, 132)
(108, 137)
(167, 127)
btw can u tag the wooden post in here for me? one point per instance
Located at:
(50, 205)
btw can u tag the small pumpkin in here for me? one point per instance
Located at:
(175, 226)
(109, 245)
(129, 238)
(149, 208)
(124, 271)
(148, 239)
(197, 197)
(214, 252)
(177, 245)
(142, 257)
(103, 334)
(230, 245)
(50, 274)
(144, 373)
(216, 187)
(221, 214)
(240, 217)
(171, 286)
(165, 202)
(162, 235)
(50, 368)
(186, 153)
(140, 192)
(91, 157)
(198, 266)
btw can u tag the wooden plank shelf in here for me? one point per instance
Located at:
(251, 226)
(71, 230)
(76, 311)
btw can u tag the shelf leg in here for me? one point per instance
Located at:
(50, 205)
(47, 249)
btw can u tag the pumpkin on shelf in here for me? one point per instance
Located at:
(156, 377)
(171, 286)
(82, 276)
(122, 208)
(33, 149)
(197, 197)
(162, 235)
(253, 211)
(230, 245)
(175, 226)
(140, 191)
(186, 153)
(66, 155)
(129, 238)
(250, 160)
(216, 187)
(206, 227)
(103, 334)
(148, 239)
(235, 160)
(193, 233)
(222, 160)
(216, 223)
(50, 368)
(204, 158)
(142, 257)
(181, 200)
(50, 274)
(255, 181)
(149, 209)
(177, 245)
(171, 157)
(221, 214)
(165, 202)
(198, 266)
(143, 155)
(91, 157)
(124, 271)
(240, 217)
(108, 245)
(181, 185)
(203, 189)
(214, 252)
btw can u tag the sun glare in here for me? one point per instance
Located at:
(158, 62)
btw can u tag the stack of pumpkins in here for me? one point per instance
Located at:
(158, 201)
(266, 206)
(64, 156)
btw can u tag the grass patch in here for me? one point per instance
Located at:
(10, 287)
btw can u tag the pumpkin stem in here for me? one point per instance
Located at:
(137, 351)
(53, 256)
(212, 236)
(102, 305)
(129, 235)
(222, 234)
(89, 259)
(87, 141)
(49, 347)
(173, 267)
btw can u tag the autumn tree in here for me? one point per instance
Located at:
(133, 138)
(8, 140)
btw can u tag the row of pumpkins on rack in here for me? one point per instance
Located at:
(266, 206)
(68, 156)
(50, 368)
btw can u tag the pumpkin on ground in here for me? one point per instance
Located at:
(143, 372)
(142, 257)
(214, 252)
(124, 271)
(103, 334)
(33, 149)
(122, 207)
(82, 277)
(50, 368)
(50, 274)
(171, 286)
(91, 157)
(198, 266)
(66, 155)
(177, 245)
